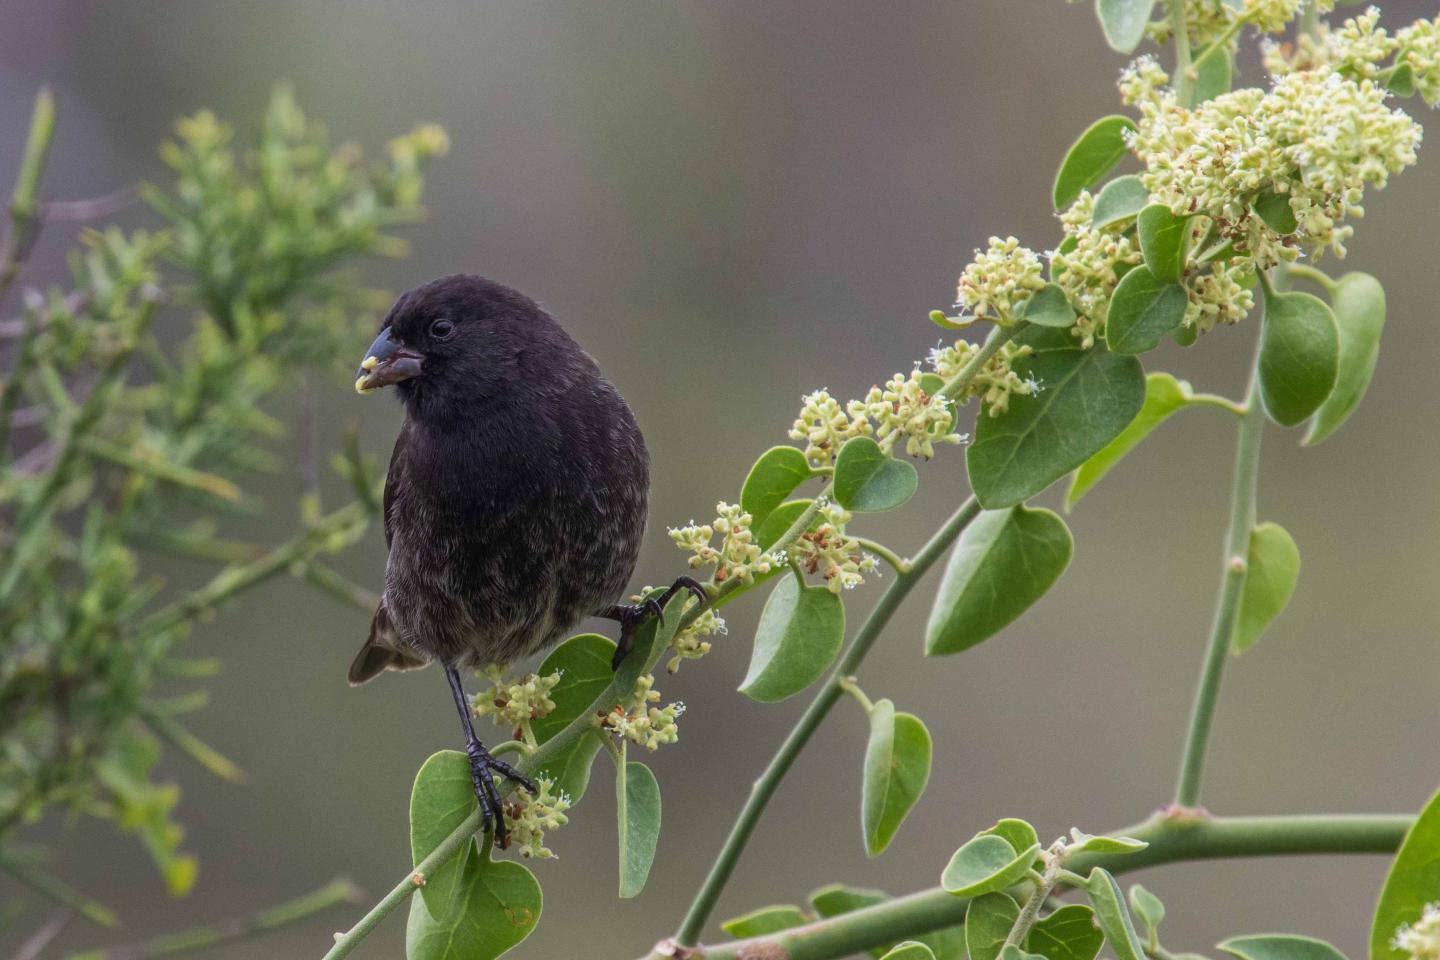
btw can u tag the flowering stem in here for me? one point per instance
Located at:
(765, 787)
(1172, 840)
(1237, 549)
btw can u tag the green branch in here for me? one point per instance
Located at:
(24, 207)
(1172, 839)
(809, 722)
(1232, 588)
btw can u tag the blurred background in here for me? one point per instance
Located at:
(730, 204)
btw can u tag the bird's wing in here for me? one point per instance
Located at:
(395, 477)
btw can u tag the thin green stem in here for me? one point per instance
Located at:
(897, 563)
(852, 687)
(1215, 400)
(1180, 34)
(765, 787)
(1172, 839)
(1302, 271)
(23, 205)
(1232, 586)
(1031, 910)
(301, 908)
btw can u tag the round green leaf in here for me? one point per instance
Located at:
(1358, 302)
(1400, 80)
(441, 799)
(1119, 201)
(585, 672)
(1018, 833)
(1148, 907)
(1213, 75)
(1163, 396)
(1163, 237)
(779, 520)
(492, 909)
(988, 920)
(1004, 561)
(1112, 917)
(1299, 356)
(637, 801)
(1092, 156)
(799, 634)
(758, 923)
(868, 480)
(1413, 881)
(1012, 952)
(1274, 209)
(1104, 843)
(909, 950)
(985, 864)
(1086, 398)
(1069, 933)
(773, 478)
(1143, 309)
(1123, 22)
(1279, 946)
(1272, 567)
(1047, 307)
(897, 767)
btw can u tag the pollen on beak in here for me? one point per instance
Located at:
(386, 363)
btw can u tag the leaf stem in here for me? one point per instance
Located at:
(851, 686)
(301, 908)
(1031, 910)
(1304, 272)
(1172, 839)
(897, 563)
(1180, 34)
(765, 787)
(1232, 586)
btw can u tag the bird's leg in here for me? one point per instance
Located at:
(631, 616)
(482, 765)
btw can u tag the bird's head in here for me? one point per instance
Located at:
(455, 343)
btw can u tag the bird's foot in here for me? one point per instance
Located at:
(631, 616)
(483, 769)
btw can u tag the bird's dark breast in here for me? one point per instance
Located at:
(507, 532)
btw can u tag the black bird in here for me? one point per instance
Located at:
(516, 496)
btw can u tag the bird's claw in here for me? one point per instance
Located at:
(483, 768)
(631, 616)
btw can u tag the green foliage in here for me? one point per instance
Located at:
(1070, 933)
(1088, 398)
(135, 446)
(1119, 201)
(583, 662)
(1358, 301)
(1112, 916)
(470, 907)
(1049, 308)
(1274, 946)
(1123, 22)
(1163, 242)
(992, 860)
(1271, 570)
(1412, 883)
(1149, 909)
(837, 899)
(773, 478)
(909, 950)
(1004, 562)
(799, 634)
(1299, 355)
(868, 480)
(1090, 157)
(1143, 309)
(637, 805)
(1164, 395)
(764, 920)
(897, 767)
(987, 924)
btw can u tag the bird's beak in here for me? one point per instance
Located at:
(386, 362)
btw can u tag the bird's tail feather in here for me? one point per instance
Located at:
(382, 651)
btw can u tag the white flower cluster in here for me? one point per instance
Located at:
(1317, 140)
(1421, 939)
(514, 703)
(1358, 48)
(690, 643)
(825, 425)
(1210, 21)
(903, 409)
(527, 818)
(999, 280)
(738, 556)
(1088, 265)
(996, 381)
(640, 721)
(832, 553)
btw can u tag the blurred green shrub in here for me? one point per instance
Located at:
(132, 415)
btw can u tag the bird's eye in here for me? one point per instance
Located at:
(441, 329)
